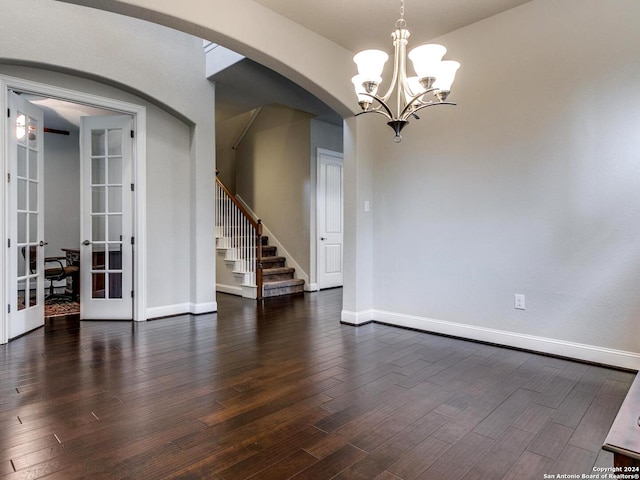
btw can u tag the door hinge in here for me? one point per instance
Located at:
(131, 293)
(8, 113)
(133, 187)
(133, 240)
(9, 178)
(9, 308)
(132, 134)
(8, 243)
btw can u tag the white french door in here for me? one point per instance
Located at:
(329, 218)
(25, 216)
(106, 250)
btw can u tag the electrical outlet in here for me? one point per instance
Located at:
(518, 301)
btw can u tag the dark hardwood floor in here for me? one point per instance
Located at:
(285, 391)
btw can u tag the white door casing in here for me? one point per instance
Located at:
(330, 193)
(106, 224)
(24, 216)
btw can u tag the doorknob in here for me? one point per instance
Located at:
(86, 242)
(43, 243)
(323, 238)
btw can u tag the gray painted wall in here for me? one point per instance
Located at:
(272, 165)
(530, 185)
(276, 176)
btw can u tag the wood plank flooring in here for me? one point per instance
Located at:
(284, 391)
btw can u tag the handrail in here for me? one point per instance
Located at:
(244, 231)
(245, 212)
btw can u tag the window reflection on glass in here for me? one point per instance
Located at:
(32, 132)
(21, 127)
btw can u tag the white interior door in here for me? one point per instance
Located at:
(25, 217)
(105, 218)
(330, 218)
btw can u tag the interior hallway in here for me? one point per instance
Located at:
(285, 391)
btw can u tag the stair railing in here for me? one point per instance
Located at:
(244, 233)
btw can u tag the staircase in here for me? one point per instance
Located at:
(257, 272)
(277, 279)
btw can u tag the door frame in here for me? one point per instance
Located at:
(315, 238)
(139, 114)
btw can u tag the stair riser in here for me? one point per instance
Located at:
(276, 292)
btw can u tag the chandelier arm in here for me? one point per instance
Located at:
(382, 104)
(384, 114)
(396, 67)
(411, 102)
(433, 104)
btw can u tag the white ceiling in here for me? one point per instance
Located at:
(360, 24)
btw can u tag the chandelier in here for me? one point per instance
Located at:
(433, 76)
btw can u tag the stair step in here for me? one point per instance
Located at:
(277, 273)
(282, 287)
(272, 262)
(269, 250)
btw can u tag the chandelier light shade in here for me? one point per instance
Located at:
(431, 85)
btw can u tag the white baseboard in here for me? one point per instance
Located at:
(168, 310)
(181, 309)
(356, 318)
(231, 289)
(311, 287)
(206, 307)
(589, 353)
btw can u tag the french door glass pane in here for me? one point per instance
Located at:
(22, 227)
(115, 228)
(33, 165)
(98, 200)
(22, 194)
(115, 199)
(98, 167)
(115, 170)
(98, 230)
(97, 142)
(33, 227)
(115, 142)
(115, 285)
(33, 196)
(97, 290)
(22, 161)
(32, 134)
